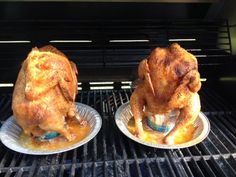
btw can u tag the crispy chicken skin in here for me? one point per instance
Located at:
(44, 93)
(169, 81)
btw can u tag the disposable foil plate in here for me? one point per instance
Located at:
(11, 131)
(124, 114)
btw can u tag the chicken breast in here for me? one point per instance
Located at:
(44, 93)
(169, 81)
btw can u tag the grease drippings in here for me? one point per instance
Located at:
(155, 137)
(80, 132)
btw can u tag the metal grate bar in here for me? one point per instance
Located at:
(169, 165)
(230, 144)
(217, 142)
(137, 167)
(222, 159)
(111, 134)
(95, 138)
(103, 128)
(216, 150)
(63, 159)
(127, 169)
(20, 173)
(4, 159)
(9, 173)
(185, 164)
(147, 165)
(146, 162)
(213, 160)
(227, 132)
(85, 147)
(231, 119)
(121, 140)
(105, 170)
(196, 169)
(217, 167)
(61, 170)
(179, 170)
(83, 169)
(133, 152)
(229, 125)
(117, 167)
(158, 165)
(230, 170)
(72, 171)
(94, 170)
(111, 115)
(5, 108)
(33, 168)
(16, 158)
(207, 169)
(195, 150)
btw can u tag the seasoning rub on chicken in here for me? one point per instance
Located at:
(44, 93)
(169, 81)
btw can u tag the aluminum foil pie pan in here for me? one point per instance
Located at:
(124, 114)
(11, 131)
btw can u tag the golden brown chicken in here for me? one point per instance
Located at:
(44, 93)
(169, 81)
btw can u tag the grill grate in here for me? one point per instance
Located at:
(111, 153)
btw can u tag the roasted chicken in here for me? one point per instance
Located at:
(44, 93)
(169, 80)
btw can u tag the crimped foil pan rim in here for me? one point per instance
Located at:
(120, 122)
(10, 139)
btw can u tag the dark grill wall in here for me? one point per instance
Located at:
(111, 153)
(97, 59)
(97, 11)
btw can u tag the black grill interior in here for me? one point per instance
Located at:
(100, 55)
(111, 153)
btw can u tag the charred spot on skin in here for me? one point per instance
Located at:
(167, 62)
(180, 71)
(38, 65)
(179, 95)
(186, 64)
(67, 79)
(192, 78)
(189, 66)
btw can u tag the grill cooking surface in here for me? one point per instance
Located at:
(111, 153)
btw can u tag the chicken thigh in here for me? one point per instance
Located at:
(169, 81)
